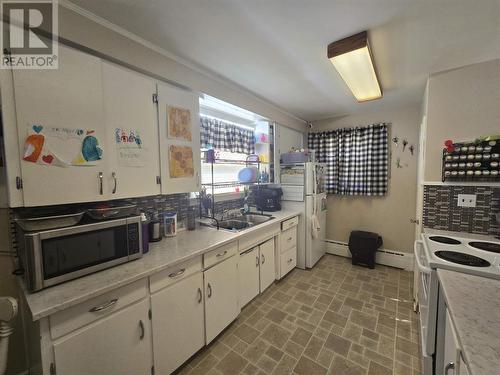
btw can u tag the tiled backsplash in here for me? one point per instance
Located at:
(441, 210)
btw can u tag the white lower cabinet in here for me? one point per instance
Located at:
(178, 326)
(118, 344)
(267, 264)
(221, 297)
(248, 275)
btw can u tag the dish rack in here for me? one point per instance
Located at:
(251, 160)
(472, 162)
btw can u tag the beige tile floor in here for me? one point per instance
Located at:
(335, 319)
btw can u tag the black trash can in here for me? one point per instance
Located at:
(363, 246)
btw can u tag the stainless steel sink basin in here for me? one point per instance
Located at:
(243, 222)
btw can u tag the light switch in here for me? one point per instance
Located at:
(466, 200)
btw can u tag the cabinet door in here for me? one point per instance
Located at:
(181, 173)
(221, 297)
(131, 132)
(71, 98)
(267, 264)
(248, 275)
(178, 323)
(119, 344)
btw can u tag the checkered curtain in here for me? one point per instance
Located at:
(356, 159)
(223, 136)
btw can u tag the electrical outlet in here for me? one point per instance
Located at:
(466, 200)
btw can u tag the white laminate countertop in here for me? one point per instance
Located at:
(161, 255)
(474, 307)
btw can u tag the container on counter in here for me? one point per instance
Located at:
(170, 224)
(145, 233)
(191, 218)
(154, 230)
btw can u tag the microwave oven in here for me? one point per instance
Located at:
(54, 256)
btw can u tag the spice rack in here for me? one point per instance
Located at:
(473, 162)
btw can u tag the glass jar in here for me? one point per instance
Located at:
(191, 218)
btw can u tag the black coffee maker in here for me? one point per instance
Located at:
(266, 197)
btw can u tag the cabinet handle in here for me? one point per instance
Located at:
(221, 254)
(143, 332)
(101, 192)
(263, 259)
(178, 273)
(291, 238)
(256, 261)
(209, 290)
(290, 260)
(105, 306)
(116, 182)
(448, 367)
(200, 295)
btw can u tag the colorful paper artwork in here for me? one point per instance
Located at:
(181, 161)
(37, 146)
(129, 147)
(179, 123)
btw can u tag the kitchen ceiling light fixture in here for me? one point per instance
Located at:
(353, 60)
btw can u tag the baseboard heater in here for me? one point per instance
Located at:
(386, 257)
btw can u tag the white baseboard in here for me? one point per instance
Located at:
(391, 258)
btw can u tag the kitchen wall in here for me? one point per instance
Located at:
(462, 105)
(390, 215)
(442, 212)
(79, 29)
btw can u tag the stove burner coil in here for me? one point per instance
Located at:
(461, 258)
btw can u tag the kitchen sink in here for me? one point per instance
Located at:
(240, 223)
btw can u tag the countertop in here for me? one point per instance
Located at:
(163, 254)
(474, 308)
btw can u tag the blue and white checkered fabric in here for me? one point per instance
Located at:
(356, 159)
(226, 137)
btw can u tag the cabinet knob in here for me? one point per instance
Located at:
(101, 192)
(143, 332)
(448, 367)
(116, 182)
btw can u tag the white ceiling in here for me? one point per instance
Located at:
(277, 48)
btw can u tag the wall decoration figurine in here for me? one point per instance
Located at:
(395, 140)
(412, 150)
(405, 143)
(179, 123)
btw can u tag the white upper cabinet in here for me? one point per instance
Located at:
(178, 115)
(60, 110)
(131, 133)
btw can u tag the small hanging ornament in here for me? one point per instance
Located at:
(398, 163)
(405, 143)
(412, 149)
(395, 140)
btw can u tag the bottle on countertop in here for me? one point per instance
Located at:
(191, 218)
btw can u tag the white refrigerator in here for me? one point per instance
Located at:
(304, 189)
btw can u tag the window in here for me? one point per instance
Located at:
(356, 159)
(233, 133)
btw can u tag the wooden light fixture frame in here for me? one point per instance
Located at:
(352, 43)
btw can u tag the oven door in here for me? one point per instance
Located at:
(425, 295)
(72, 252)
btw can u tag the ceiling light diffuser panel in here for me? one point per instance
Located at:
(353, 60)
